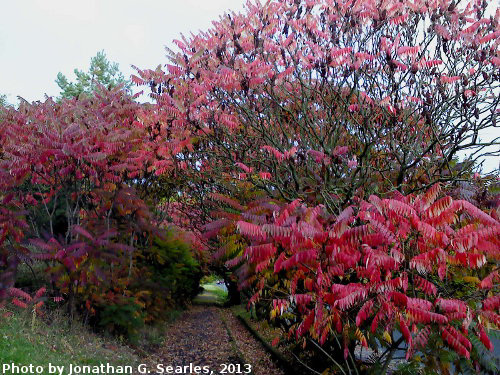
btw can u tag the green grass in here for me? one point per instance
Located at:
(24, 344)
(214, 289)
(241, 310)
(212, 295)
(151, 337)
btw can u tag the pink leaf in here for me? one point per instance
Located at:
(81, 231)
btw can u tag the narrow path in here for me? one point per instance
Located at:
(213, 337)
(252, 350)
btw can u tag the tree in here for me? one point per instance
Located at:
(60, 157)
(70, 182)
(417, 265)
(101, 72)
(3, 102)
(332, 101)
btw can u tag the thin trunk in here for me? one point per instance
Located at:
(71, 299)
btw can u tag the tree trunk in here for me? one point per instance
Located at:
(71, 302)
(234, 297)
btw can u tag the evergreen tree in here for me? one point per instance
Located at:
(101, 72)
(3, 100)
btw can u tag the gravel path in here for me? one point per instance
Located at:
(251, 349)
(212, 336)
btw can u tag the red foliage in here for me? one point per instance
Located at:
(325, 104)
(78, 171)
(23, 300)
(364, 270)
(289, 96)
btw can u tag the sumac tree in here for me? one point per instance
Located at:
(327, 100)
(391, 270)
(73, 194)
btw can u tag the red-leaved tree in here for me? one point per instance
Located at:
(417, 273)
(70, 178)
(327, 100)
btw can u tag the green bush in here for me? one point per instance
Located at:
(123, 318)
(167, 276)
(209, 279)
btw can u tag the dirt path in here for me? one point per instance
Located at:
(211, 336)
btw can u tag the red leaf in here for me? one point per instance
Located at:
(484, 338)
(405, 331)
(492, 303)
(40, 292)
(15, 292)
(19, 303)
(275, 341)
(364, 312)
(487, 282)
(81, 231)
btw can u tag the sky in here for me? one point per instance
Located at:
(40, 38)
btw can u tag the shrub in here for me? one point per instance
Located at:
(166, 276)
(413, 272)
(122, 316)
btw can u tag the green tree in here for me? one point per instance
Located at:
(4, 103)
(101, 72)
(3, 100)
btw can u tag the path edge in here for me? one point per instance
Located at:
(284, 363)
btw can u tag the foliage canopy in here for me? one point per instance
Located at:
(312, 145)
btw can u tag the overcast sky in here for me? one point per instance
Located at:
(39, 38)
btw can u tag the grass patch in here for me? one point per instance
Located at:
(212, 295)
(40, 344)
(267, 332)
(214, 289)
(241, 310)
(209, 279)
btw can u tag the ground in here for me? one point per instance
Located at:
(209, 335)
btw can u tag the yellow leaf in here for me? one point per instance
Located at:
(273, 313)
(387, 337)
(472, 279)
